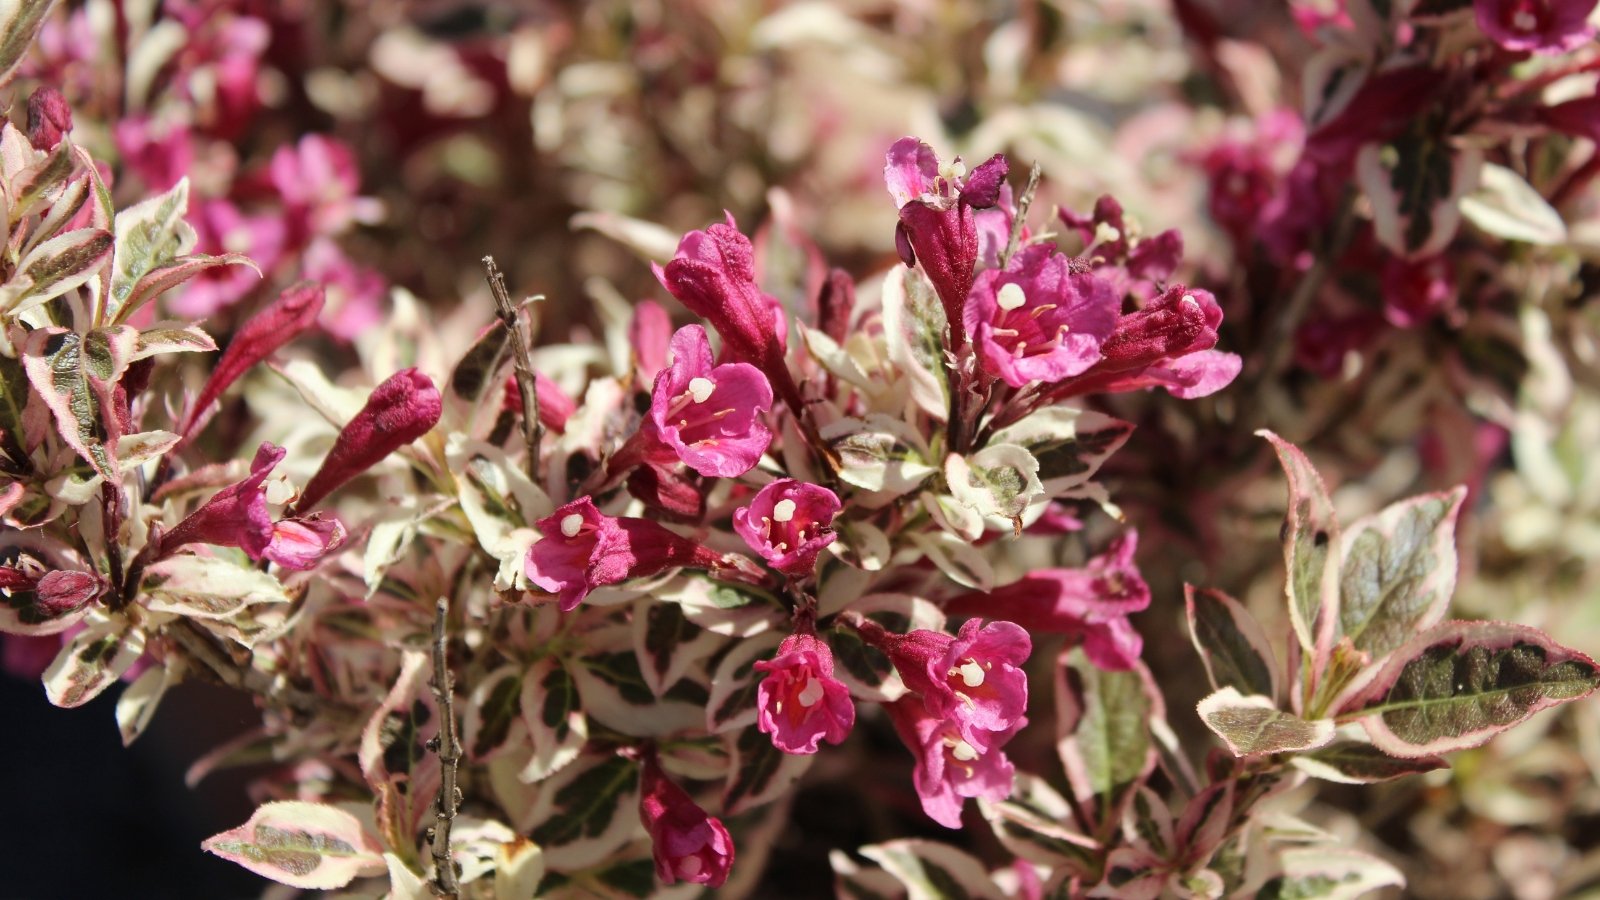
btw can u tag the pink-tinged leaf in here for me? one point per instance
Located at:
(396, 735)
(1330, 873)
(1353, 762)
(1230, 642)
(17, 30)
(310, 846)
(1104, 733)
(172, 273)
(1310, 540)
(1034, 823)
(91, 662)
(934, 871)
(1204, 822)
(208, 587)
(553, 713)
(41, 182)
(1253, 725)
(137, 705)
(55, 267)
(1399, 571)
(150, 234)
(1460, 683)
(1069, 444)
(735, 683)
(171, 337)
(1132, 874)
(63, 208)
(75, 376)
(491, 725)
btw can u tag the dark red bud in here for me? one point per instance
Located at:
(49, 118)
(61, 592)
(402, 409)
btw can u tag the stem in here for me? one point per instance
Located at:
(1023, 203)
(532, 431)
(448, 747)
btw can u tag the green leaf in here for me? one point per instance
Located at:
(1353, 762)
(587, 804)
(150, 234)
(553, 712)
(492, 710)
(1460, 683)
(1399, 571)
(1253, 725)
(19, 22)
(760, 772)
(1230, 642)
(1104, 738)
(1327, 873)
(1310, 537)
(311, 846)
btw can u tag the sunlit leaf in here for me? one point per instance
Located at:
(305, 845)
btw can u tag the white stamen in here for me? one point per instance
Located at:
(811, 694)
(690, 866)
(963, 751)
(971, 674)
(700, 389)
(571, 524)
(1524, 20)
(1011, 296)
(1104, 233)
(783, 510)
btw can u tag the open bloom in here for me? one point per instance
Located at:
(237, 516)
(400, 410)
(1166, 344)
(581, 549)
(937, 222)
(1091, 604)
(709, 414)
(1037, 320)
(800, 702)
(974, 678)
(788, 522)
(1538, 26)
(713, 274)
(688, 845)
(953, 762)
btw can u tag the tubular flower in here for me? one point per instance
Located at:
(688, 845)
(237, 516)
(974, 678)
(937, 224)
(789, 522)
(709, 414)
(1537, 26)
(582, 549)
(401, 409)
(1037, 320)
(800, 702)
(713, 274)
(953, 762)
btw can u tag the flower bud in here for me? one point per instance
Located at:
(688, 845)
(49, 118)
(63, 592)
(401, 409)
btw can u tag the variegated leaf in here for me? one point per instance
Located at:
(1103, 732)
(1354, 762)
(91, 662)
(55, 267)
(587, 812)
(492, 724)
(934, 871)
(1329, 873)
(311, 846)
(557, 727)
(150, 234)
(1253, 725)
(208, 587)
(175, 271)
(1231, 644)
(1399, 571)
(19, 22)
(172, 337)
(913, 328)
(760, 772)
(1310, 542)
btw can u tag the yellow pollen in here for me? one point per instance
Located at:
(1011, 296)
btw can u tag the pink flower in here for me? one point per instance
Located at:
(299, 544)
(158, 153)
(555, 407)
(974, 678)
(713, 274)
(221, 228)
(1415, 291)
(1038, 320)
(1538, 26)
(688, 845)
(937, 223)
(788, 522)
(49, 118)
(280, 322)
(403, 408)
(237, 516)
(1091, 604)
(709, 414)
(648, 334)
(581, 549)
(800, 702)
(953, 763)
(1179, 322)
(835, 303)
(355, 292)
(318, 180)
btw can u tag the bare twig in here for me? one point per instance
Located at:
(448, 747)
(1017, 221)
(532, 431)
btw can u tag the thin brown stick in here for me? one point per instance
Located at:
(532, 431)
(1023, 203)
(448, 747)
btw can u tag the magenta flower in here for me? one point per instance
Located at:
(299, 544)
(1037, 320)
(1091, 604)
(713, 274)
(688, 845)
(221, 228)
(709, 414)
(937, 223)
(1415, 291)
(235, 516)
(1179, 322)
(1537, 26)
(281, 321)
(788, 522)
(581, 549)
(158, 153)
(953, 762)
(403, 408)
(800, 702)
(649, 332)
(49, 118)
(317, 179)
(974, 678)
(555, 406)
(355, 292)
